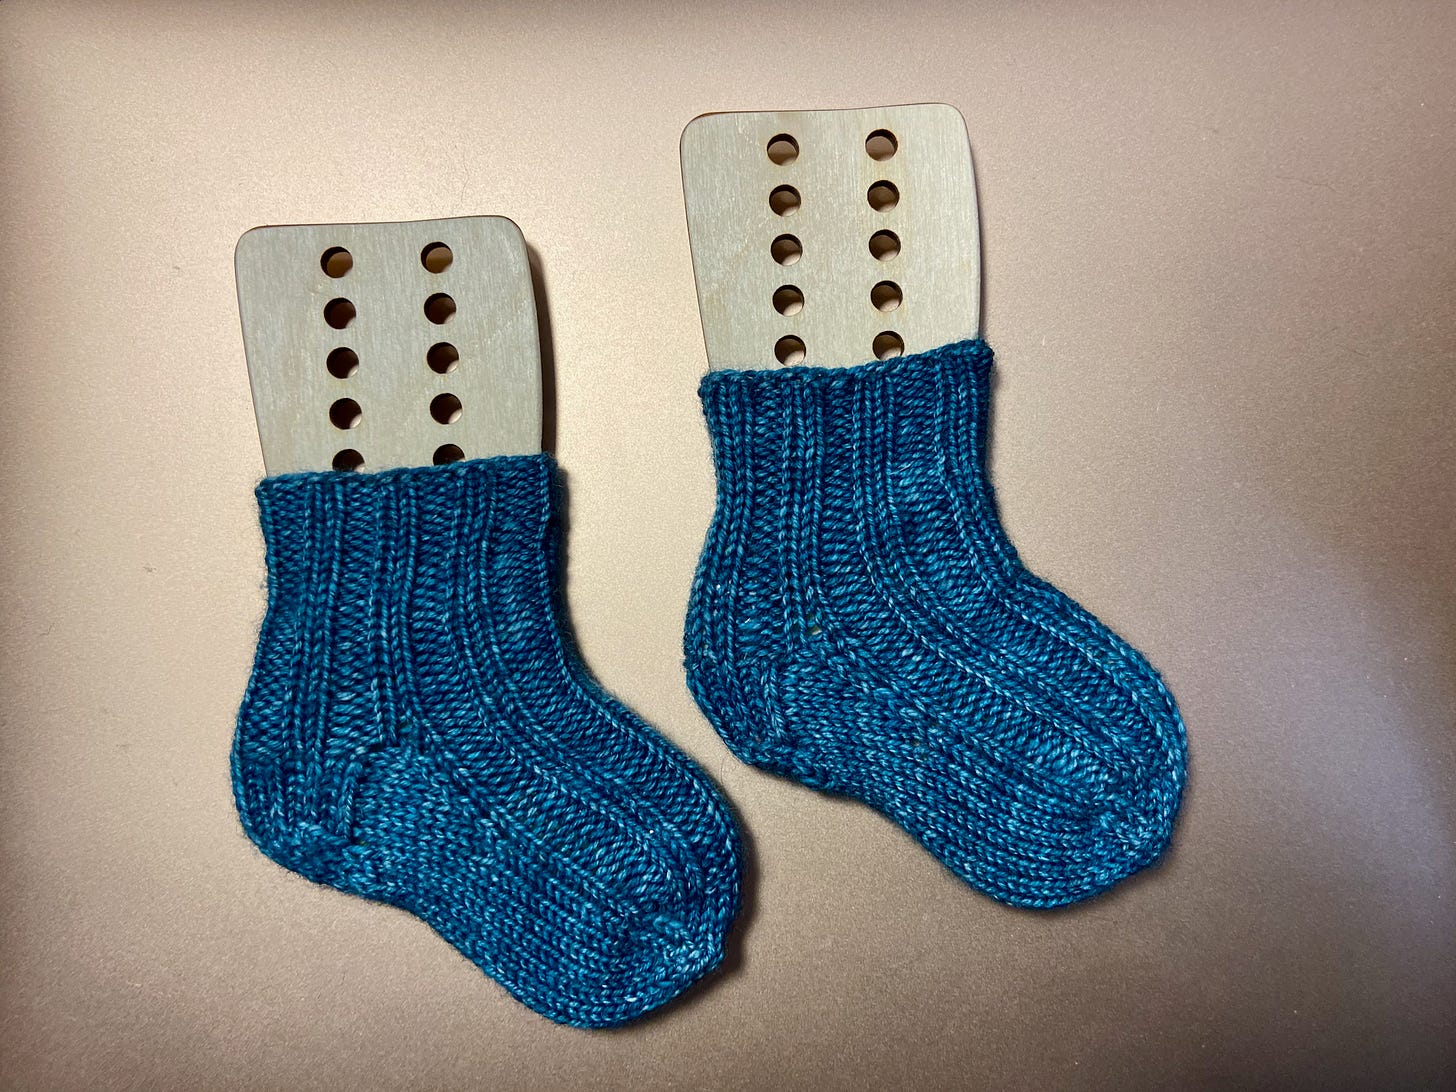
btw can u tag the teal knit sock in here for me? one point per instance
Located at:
(418, 730)
(860, 622)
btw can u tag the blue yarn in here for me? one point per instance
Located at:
(859, 622)
(419, 730)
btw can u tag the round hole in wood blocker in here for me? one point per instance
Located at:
(342, 362)
(784, 200)
(348, 459)
(881, 145)
(336, 261)
(788, 300)
(338, 313)
(884, 245)
(789, 350)
(440, 308)
(443, 358)
(345, 414)
(436, 257)
(786, 249)
(888, 344)
(883, 196)
(886, 296)
(445, 408)
(448, 453)
(782, 149)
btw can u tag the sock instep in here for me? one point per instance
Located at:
(860, 622)
(419, 731)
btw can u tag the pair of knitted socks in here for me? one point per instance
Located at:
(419, 730)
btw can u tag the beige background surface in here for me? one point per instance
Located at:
(1220, 253)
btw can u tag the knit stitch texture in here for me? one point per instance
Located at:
(419, 730)
(859, 622)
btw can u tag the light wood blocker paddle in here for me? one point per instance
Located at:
(831, 237)
(373, 346)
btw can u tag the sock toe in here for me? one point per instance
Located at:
(587, 942)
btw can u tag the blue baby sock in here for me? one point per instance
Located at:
(860, 622)
(418, 730)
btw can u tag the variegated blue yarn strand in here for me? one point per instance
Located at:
(419, 730)
(860, 622)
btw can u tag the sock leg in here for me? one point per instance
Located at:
(860, 622)
(419, 731)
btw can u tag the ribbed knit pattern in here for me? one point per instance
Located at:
(419, 730)
(860, 622)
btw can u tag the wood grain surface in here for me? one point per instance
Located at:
(363, 357)
(874, 213)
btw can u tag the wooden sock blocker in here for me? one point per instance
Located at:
(832, 237)
(373, 346)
